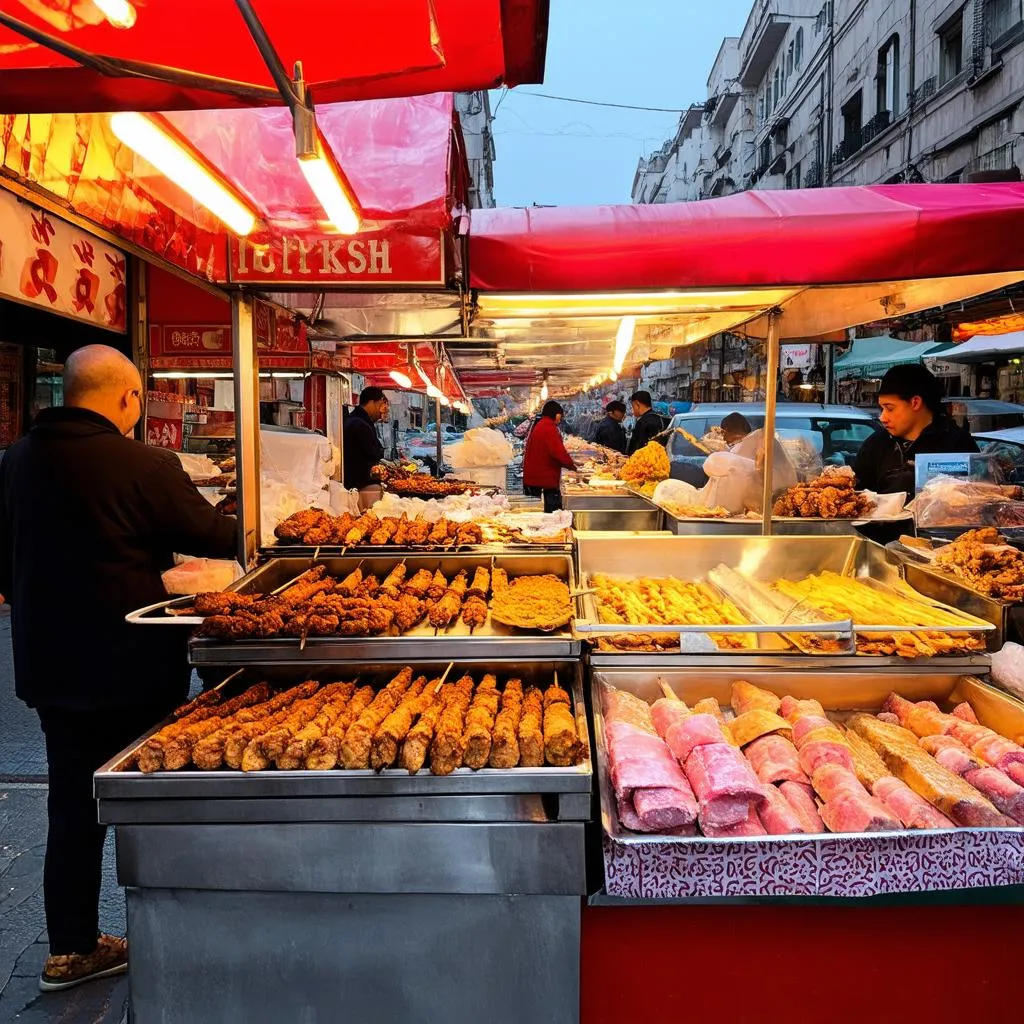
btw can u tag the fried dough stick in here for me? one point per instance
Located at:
(355, 747)
(208, 753)
(560, 739)
(476, 736)
(531, 735)
(323, 754)
(417, 742)
(172, 746)
(446, 751)
(505, 736)
(394, 728)
(295, 753)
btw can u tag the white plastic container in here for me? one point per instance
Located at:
(485, 476)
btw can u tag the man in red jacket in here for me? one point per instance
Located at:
(545, 458)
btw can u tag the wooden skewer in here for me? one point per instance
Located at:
(667, 690)
(316, 554)
(440, 682)
(285, 586)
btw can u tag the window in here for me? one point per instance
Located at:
(760, 109)
(888, 77)
(765, 153)
(853, 120)
(821, 20)
(793, 176)
(1000, 17)
(789, 58)
(776, 93)
(951, 49)
(798, 48)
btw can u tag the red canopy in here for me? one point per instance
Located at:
(398, 154)
(753, 239)
(359, 49)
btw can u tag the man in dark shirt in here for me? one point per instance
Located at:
(89, 519)
(361, 445)
(914, 424)
(648, 423)
(610, 431)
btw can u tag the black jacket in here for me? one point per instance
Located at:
(611, 434)
(88, 521)
(645, 429)
(362, 449)
(885, 464)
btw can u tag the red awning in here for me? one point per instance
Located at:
(375, 361)
(753, 239)
(359, 49)
(399, 155)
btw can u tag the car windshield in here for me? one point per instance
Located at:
(1009, 458)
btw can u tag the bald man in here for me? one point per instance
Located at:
(89, 519)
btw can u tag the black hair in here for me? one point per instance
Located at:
(643, 397)
(736, 423)
(912, 379)
(615, 406)
(552, 409)
(371, 393)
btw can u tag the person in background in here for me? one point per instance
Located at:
(361, 446)
(648, 423)
(910, 401)
(610, 431)
(89, 520)
(545, 458)
(735, 427)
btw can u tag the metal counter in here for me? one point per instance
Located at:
(584, 498)
(284, 896)
(740, 526)
(619, 520)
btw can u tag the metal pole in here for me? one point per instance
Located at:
(770, 392)
(247, 426)
(437, 423)
(830, 373)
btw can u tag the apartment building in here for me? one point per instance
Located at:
(474, 110)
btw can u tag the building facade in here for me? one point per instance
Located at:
(474, 110)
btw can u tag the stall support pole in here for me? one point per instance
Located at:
(437, 423)
(247, 426)
(770, 392)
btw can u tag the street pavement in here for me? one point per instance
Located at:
(22, 844)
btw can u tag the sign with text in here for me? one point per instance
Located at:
(44, 261)
(371, 260)
(959, 465)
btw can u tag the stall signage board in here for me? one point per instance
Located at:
(189, 347)
(383, 259)
(959, 465)
(795, 357)
(44, 261)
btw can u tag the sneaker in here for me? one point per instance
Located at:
(60, 972)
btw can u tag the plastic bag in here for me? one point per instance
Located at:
(732, 482)
(951, 501)
(201, 575)
(481, 446)
(198, 467)
(887, 506)
(784, 473)
(676, 492)
(1008, 668)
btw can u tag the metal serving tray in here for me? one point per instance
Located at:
(701, 526)
(359, 795)
(850, 691)
(369, 550)
(492, 640)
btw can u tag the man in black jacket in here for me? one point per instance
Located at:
(361, 446)
(648, 423)
(911, 413)
(610, 431)
(89, 519)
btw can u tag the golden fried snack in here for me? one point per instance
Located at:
(205, 699)
(481, 583)
(438, 586)
(421, 735)
(323, 754)
(556, 694)
(369, 587)
(225, 603)
(469, 533)
(361, 529)
(446, 750)
(295, 753)
(474, 611)
(418, 532)
(384, 532)
(394, 728)
(392, 585)
(402, 531)
(531, 734)
(311, 582)
(439, 532)
(295, 527)
(499, 581)
(476, 735)
(505, 736)
(355, 748)
(447, 609)
(350, 584)
(532, 602)
(561, 744)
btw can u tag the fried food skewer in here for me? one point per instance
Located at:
(446, 750)
(297, 750)
(355, 747)
(531, 735)
(505, 736)
(394, 728)
(323, 754)
(560, 740)
(476, 736)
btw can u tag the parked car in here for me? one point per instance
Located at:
(834, 433)
(1007, 447)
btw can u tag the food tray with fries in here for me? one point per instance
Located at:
(297, 610)
(702, 599)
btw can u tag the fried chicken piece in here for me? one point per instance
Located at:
(446, 750)
(438, 532)
(384, 532)
(447, 609)
(226, 603)
(453, 529)
(556, 694)
(419, 584)
(355, 747)
(297, 525)
(418, 532)
(409, 612)
(560, 740)
(323, 754)
(369, 586)
(380, 619)
(361, 529)
(505, 735)
(394, 728)
(311, 582)
(531, 735)
(350, 584)
(438, 585)
(481, 584)
(295, 753)
(205, 699)
(417, 742)
(208, 753)
(474, 612)
(476, 736)
(392, 585)
(401, 531)
(469, 533)
(340, 527)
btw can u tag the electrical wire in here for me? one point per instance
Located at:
(599, 103)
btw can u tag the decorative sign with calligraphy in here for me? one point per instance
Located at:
(377, 260)
(44, 261)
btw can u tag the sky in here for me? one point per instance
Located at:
(648, 53)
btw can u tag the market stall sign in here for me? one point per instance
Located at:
(46, 262)
(384, 259)
(795, 357)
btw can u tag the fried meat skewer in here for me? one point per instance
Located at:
(417, 743)
(402, 531)
(361, 529)
(419, 584)
(384, 532)
(295, 753)
(447, 609)
(476, 736)
(418, 532)
(446, 751)
(355, 747)
(392, 585)
(474, 610)
(350, 584)
(531, 735)
(438, 585)
(505, 735)
(393, 730)
(560, 740)
(323, 754)
(439, 532)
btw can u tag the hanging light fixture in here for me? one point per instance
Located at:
(623, 342)
(402, 374)
(119, 13)
(544, 388)
(154, 139)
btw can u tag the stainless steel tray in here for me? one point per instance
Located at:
(490, 641)
(698, 526)
(111, 783)
(849, 691)
(369, 550)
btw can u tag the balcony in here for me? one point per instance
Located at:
(762, 50)
(853, 143)
(878, 124)
(813, 178)
(724, 107)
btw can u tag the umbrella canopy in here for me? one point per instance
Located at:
(871, 357)
(360, 49)
(987, 349)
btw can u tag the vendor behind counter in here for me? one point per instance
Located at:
(361, 445)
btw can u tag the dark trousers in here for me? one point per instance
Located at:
(77, 743)
(552, 497)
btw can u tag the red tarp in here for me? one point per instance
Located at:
(753, 239)
(356, 49)
(375, 361)
(398, 155)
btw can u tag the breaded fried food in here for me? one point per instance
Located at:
(297, 750)
(476, 735)
(446, 750)
(505, 735)
(324, 752)
(355, 748)
(419, 584)
(561, 743)
(394, 728)
(421, 735)
(531, 730)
